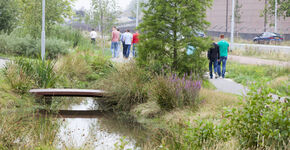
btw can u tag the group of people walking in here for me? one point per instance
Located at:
(217, 56)
(127, 39)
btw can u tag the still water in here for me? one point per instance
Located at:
(99, 132)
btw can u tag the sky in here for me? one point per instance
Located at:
(86, 4)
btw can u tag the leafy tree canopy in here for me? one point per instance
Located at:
(8, 14)
(283, 8)
(31, 14)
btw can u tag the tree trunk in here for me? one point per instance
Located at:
(175, 51)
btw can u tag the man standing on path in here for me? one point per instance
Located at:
(128, 41)
(135, 42)
(224, 48)
(213, 56)
(115, 40)
(93, 36)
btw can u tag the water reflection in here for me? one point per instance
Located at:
(102, 132)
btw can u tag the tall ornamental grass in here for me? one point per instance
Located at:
(126, 86)
(172, 91)
(23, 74)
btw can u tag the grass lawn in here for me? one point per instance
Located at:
(277, 77)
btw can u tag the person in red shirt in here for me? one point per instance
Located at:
(135, 41)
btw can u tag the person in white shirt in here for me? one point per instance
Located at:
(93, 36)
(128, 41)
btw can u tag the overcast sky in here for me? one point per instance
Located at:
(86, 4)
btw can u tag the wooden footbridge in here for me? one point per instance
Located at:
(47, 94)
(68, 92)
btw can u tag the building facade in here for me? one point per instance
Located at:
(251, 19)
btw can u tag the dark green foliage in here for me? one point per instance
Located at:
(167, 28)
(262, 121)
(8, 15)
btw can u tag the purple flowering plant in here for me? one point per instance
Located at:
(172, 91)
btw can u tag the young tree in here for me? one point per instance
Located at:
(104, 14)
(168, 27)
(283, 8)
(238, 14)
(31, 14)
(8, 15)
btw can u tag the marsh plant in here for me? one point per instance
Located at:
(127, 86)
(23, 74)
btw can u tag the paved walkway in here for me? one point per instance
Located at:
(257, 61)
(229, 86)
(2, 62)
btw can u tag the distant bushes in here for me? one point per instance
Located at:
(27, 46)
(59, 40)
(67, 34)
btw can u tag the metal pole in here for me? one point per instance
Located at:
(43, 32)
(276, 8)
(233, 22)
(227, 15)
(265, 16)
(137, 14)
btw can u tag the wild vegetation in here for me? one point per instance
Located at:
(164, 89)
(272, 55)
(276, 77)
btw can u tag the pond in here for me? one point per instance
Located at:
(99, 131)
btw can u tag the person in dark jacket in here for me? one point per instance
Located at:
(213, 56)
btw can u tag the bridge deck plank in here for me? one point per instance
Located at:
(68, 92)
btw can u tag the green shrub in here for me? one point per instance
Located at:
(171, 91)
(67, 34)
(27, 46)
(202, 134)
(262, 121)
(53, 48)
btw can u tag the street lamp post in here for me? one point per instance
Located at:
(137, 14)
(233, 22)
(276, 20)
(43, 32)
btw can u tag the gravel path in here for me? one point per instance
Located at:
(257, 61)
